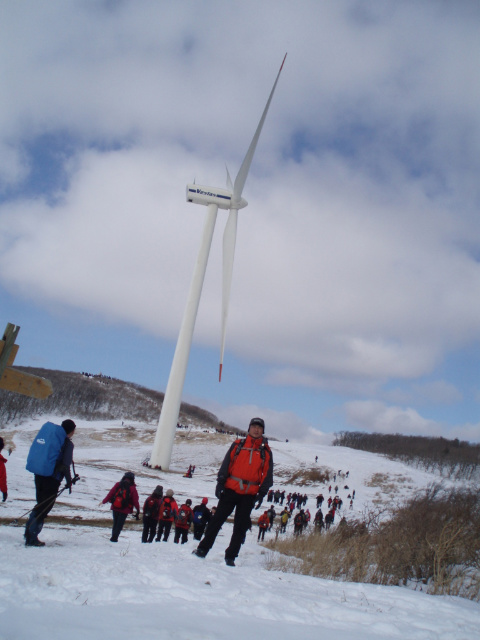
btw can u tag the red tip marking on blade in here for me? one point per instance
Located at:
(283, 62)
(220, 373)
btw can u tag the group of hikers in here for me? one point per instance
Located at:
(160, 512)
(244, 479)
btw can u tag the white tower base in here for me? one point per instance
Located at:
(165, 436)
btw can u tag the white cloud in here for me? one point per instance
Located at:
(437, 392)
(468, 432)
(377, 417)
(280, 425)
(357, 259)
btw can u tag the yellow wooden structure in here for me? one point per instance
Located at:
(14, 380)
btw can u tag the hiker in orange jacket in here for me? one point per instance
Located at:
(263, 525)
(244, 478)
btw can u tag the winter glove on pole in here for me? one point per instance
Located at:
(219, 490)
(5, 496)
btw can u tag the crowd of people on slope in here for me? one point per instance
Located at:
(160, 512)
(244, 479)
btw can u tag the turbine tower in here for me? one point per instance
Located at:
(214, 199)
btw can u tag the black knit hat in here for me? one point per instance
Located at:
(259, 421)
(69, 425)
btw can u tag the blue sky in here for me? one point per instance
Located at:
(356, 291)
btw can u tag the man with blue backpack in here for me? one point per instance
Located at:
(49, 458)
(201, 517)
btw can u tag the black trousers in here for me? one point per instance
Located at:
(198, 530)
(243, 505)
(164, 527)
(149, 528)
(118, 522)
(181, 532)
(46, 489)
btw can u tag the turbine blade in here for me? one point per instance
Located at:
(229, 240)
(229, 180)
(247, 161)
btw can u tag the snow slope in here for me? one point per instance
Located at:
(82, 586)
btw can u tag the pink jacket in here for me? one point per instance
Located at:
(3, 474)
(132, 503)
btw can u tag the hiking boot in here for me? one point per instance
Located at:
(34, 543)
(230, 562)
(200, 553)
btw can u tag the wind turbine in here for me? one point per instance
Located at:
(214, 199)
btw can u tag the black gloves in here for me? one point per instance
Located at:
(219, 490)
(68, 483)
(259, 499)
(5, 496)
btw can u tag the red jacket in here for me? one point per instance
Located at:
(248, 470)
(173, 510)
(188, 520)
(3, 474)
(132, 502)
(263, 521)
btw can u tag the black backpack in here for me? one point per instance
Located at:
(151, 508)
(166, 509)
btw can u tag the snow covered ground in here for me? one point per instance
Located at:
(82, 586)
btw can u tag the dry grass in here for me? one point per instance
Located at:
(306, 476)
(431, 543)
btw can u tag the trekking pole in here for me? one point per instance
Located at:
(38, 505)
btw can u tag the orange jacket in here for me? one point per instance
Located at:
(263, 521)
(248, 467)
(173, 509)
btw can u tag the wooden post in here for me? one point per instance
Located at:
(7, 346)
(14, 380)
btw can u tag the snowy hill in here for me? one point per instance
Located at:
(82, 586)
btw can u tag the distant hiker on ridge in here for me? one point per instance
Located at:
(244, 478)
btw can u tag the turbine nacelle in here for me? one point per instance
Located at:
(223, 198)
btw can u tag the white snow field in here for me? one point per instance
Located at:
(81, 586)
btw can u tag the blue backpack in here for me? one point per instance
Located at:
(45, 449)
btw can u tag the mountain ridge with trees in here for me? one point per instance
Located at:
(99, 397)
